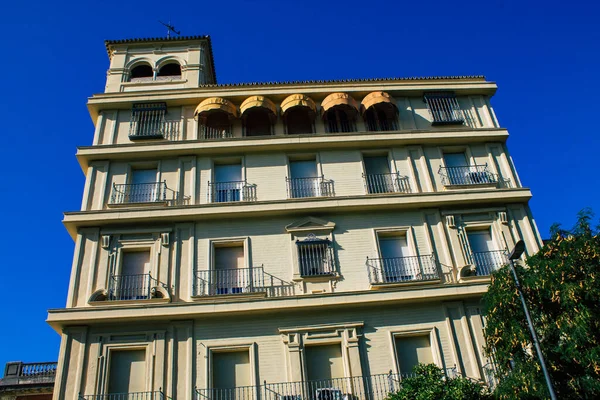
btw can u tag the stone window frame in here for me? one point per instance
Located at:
(395, 231)
(434, 343)
(231, 347)
(295, 339)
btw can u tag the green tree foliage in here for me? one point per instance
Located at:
(562, 286)
(430, 383)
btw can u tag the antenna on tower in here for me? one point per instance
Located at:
(170, 28)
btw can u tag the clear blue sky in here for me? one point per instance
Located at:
(543, 55)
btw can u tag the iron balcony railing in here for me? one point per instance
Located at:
(212, 133)
(234, 191)
(135, 193)
(468, 175)
(387, 183)
(486, 262)
(377, 125)
(156, 395)
(131, 287)
(372, 387)
(444, 109)
(309, 187)
(217, 282)
(152, 126)
(402, 269)
(315, 257)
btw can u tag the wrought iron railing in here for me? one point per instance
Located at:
(217, 282)
(340, 126)
(236, 393)
(152, 125)
(211, 133)
(315, 257)
(387, 183)
(444, 109)
(309, 187)
(156, 395)
(234, 191)
(468, 175)
(155, 192)
(131, 287)
(377, 125)
(402, 269)
(487, 262)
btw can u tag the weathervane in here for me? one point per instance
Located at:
(170, 28)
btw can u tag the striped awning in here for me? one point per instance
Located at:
(216, 103)
(338, 99)
(376, 98)
(258, 101)
(298, 100)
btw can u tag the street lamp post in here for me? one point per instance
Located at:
(514, 255)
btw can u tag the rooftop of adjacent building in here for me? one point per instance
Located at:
(36, 380)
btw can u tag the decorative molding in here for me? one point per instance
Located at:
(451, 221)
(310, 224)
(165, 239)
(503, 217)
(105, 241)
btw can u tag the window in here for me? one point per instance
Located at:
(170, 70)
(147, 121)
(257, 122)
(216, 125)
(324, 362)
(230, 275)
(140, 73)
(340, 119)
(458, 171)
(412, 350)
(397, 263)
(143, 187)
(484, 252)
(379, 178)
(228, 184)
(133, 282)
(304, 179)
(127, 373)
(230, 369)
(315, 256)
(299, 121)
(444, 108)
(381, 117)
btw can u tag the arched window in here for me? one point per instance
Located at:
(381, 117)
(257, 122)
(298, 120)
(171, 69)
(340, 119)
(141, 72)
(217, 125)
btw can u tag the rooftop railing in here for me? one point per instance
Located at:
(131, 287)
(486, 262)
(468, 175)
(18, 372)
(234, 191)
(402, 269)
(217, 282)
(309, 187)
(136, 193)
(156, 395)
(387, 183)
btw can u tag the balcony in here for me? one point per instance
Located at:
(386, 183)
(298, 188)
(228, 192)
(471, 175)
(154, 129)
(145, 193)
(240, 281)
(157, 395)
(132, 287)
(382, 125)
(486, 262)
(315, 257)
(402, 269)
(215, 133)
(40, 374)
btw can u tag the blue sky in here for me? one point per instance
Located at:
(543, 55)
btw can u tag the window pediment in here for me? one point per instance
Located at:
(310, 224)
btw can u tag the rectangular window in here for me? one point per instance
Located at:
(412, 350)
(484, 252)
(230, 275)
(324, 362)
(444, 108)
(228, 184)
(230, 370)
(378, 176)
(315, 257)
(147, 121)
(134, 281)
(304, 179)
(127, 372)
(397, 263)
(143, 186)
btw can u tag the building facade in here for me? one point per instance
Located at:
(297, 240)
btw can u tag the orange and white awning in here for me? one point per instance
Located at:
(376, 98)
(258, 101)
(216, 103)
(338, 99)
